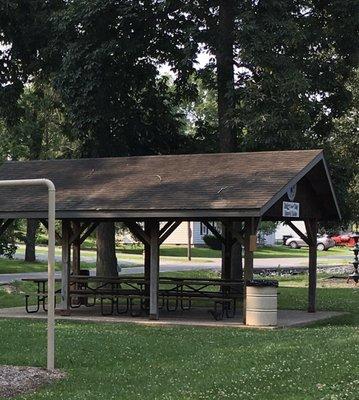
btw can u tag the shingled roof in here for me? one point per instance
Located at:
(226, 184)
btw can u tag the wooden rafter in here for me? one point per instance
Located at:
(76, 233)
(165, 227)
(214, 231)
(299, 232)
(169, 231)
(91, 228)
(138, 232)
(45, 224)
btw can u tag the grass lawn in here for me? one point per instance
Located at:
(17, 266)
(117, 361)
(180, 252)
(263, 252)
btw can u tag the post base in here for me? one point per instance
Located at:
(153, 317)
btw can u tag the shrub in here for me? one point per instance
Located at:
(212, 242)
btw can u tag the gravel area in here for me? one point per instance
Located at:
(19, 380)
(337, 269)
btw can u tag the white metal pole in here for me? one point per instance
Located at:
(51, 280)
(51, 260)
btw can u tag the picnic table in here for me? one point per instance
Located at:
(175, 293)
(40, 295)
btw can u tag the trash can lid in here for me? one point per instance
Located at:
(262, 283)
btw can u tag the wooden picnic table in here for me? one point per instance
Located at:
(181, 290)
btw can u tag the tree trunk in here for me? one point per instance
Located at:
(225, 76)
(30, 241)
(106, 264)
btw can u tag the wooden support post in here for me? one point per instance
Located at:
(189, 241)
(227, 250)
(147, 262)
(66, 266)
(312, 229)
(155, 266)
(76, 248)
(236, 256)
(250, 232)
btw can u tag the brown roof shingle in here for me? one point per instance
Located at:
(226, 181)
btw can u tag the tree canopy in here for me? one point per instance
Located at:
(281, 75)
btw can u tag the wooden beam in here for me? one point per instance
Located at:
(227, 250)
(312, 227)
(251, 227)
(213, 230)
(169, 231)
(88, 231)
(298, 232)
(155, 266)
(147, 263)
(46, 226)
(5, 225)
(79, 229)
(165, 227)
(138, 232)
(76, 247)
(236, 256)
(66, 266)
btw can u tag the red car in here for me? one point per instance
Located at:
(348, 239)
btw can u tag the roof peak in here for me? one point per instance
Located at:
(314, 151)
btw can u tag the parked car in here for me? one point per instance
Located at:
(347, 239)
(323, 242)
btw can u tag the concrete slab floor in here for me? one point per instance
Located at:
(195, 317)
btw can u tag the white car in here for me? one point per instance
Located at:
(323, 242)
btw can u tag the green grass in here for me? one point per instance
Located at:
(16, 266)
(180, 252)
(120, 361)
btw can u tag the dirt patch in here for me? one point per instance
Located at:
(337, 283)
(19, 380)
(9, 289)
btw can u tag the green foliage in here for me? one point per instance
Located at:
(343, 154)
(212, 242)
(40, 131)
(296, 62)
(267, 227)
(293, 61)
(108, 76)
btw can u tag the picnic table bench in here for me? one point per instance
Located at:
(174, 293)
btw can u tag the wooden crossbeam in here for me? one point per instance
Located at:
(214, 231)
(138, 232)
(299, 232)
(5, 225)
(169, 231)
(88, 231)
(238, 236)
(45, 224)
(76, 234)
(165, 227)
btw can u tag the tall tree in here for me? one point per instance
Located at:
(109, 81)
(38, 133)
(225, 76)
